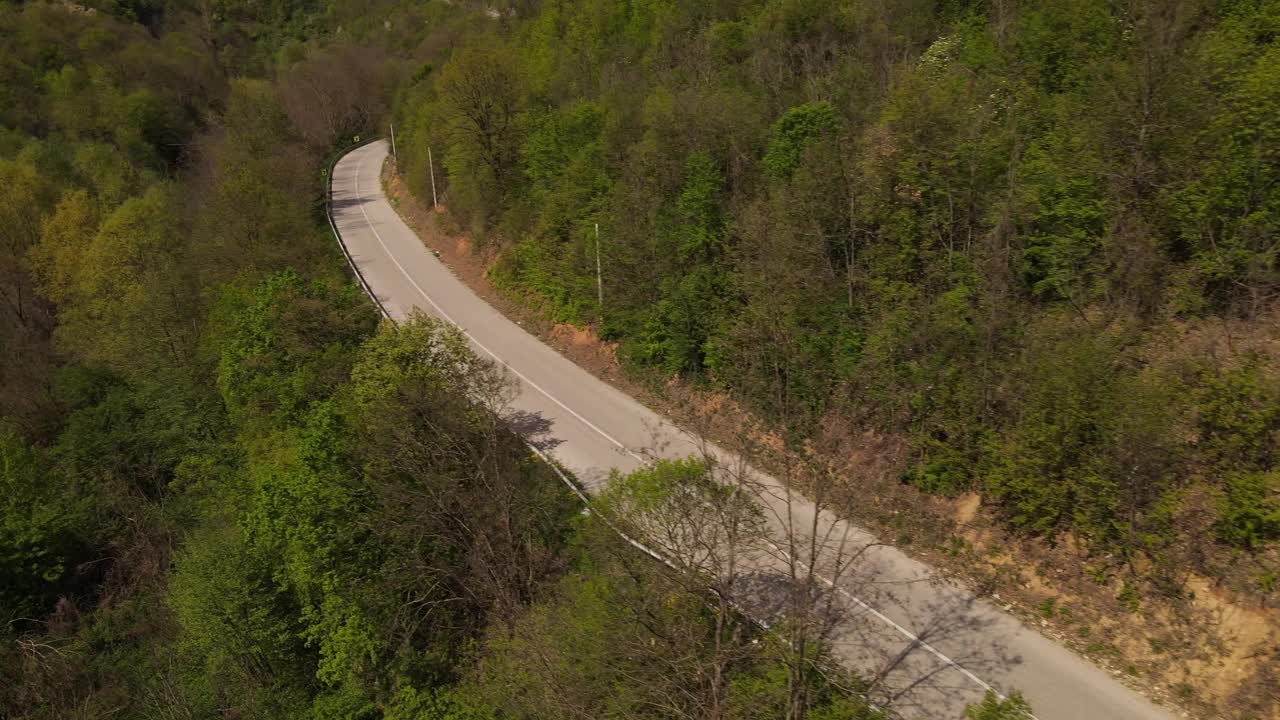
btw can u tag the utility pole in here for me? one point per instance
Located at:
(435, 204)
(394, 157)
(599, 276)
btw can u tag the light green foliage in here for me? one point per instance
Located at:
(1250, 509)
(65, 237)
(761, 694)
(993, 707)
(298, 522)
(1231, 205)
(699, 207)
(119, 284)
(422, 352)
(793, 133)
(27, 197)
(690, 513)
(649, 490)
(111, 177)
(131, 251)
(728, 40)
(1066, 216)
(1239, 416)
(411, 704)
(237, 627)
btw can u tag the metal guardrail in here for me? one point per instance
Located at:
(333, 226)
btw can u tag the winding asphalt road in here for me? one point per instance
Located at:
(942, 646)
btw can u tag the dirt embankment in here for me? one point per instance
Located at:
(1210, 651)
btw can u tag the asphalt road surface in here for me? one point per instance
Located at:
(936, 646)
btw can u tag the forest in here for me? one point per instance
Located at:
(1032, 246)
(228, 488)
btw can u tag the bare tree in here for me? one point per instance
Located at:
(698, 515)
(782, 554)
(336, 92)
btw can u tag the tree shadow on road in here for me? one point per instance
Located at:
(534, 428)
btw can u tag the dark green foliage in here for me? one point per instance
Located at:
(794, 132)
(1051, 466)
(42, 532)
(1231, 206)
(675, 337)
(238, 630)
(1066, 213)
(161, 392)
(1239, 417)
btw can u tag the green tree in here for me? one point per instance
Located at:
(793, 133)
(1049, 468)
(288, 343)
(1250, 509)
(1231, 206)
(481, 90)
(240, 634)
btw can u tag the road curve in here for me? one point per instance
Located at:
(959, 644)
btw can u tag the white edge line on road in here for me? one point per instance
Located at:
(879, 615)
(447, 317)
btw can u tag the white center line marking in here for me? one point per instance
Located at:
(441, 312)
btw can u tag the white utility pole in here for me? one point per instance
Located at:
(394, 156)
(599, 275)
(435, 204)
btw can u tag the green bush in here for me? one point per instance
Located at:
(1250, 509)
